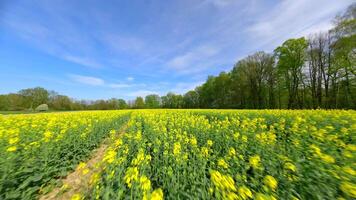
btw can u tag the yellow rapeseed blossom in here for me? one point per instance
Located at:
(349, 170)
(210, 143)
(232, 151)
(176, 148)
(81, 165)
(260, 196)
(290, 166)
(47, 135)
(11, 149)
(326, 158)
(271, 182)
(145, 183)
(157, 194)
(76, 197)
(222, 182)
(222, 163)
(131, 175)
(110, 156)
(205, 151)
(244, 192)
(13, 140)
(349, 189)
(255, 161)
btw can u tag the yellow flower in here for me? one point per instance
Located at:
(131, 175)
(145, 183)
(85, 171)
(210, 143)
(244, 192)
(271, 182)
(94, 178)
(118, 142)
(232, 196)
(348, 188)
(351, 147)
(110, 156)
(205, 151)
(81, 166)
(157, 194)
(232, 151)
(260, 196)
(176, 148)
(326, 158)
(222, 163)
(255, 161)
(349, 170)
(76, 197)
(14, 140)
(47, 135)
(223, 182)
(11, 149)
(244, 138)
(290, 166)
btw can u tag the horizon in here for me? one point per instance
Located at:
(123, 50)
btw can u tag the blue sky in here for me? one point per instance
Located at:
(101, 49)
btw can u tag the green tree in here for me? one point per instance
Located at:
(122, 104)
(139, 103)
(152, 101)
(191, 99)
(34, 96)
(291, 58)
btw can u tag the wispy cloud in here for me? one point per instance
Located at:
(130, 78)
(84, 61)
(96, 81)
(87, 80)
(292, 18)
(118, 85)
(190, 59)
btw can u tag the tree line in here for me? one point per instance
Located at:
(302, 73)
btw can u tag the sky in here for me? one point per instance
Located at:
(90, 49)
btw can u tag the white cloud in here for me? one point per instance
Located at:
(291, 18)
(84, 61)
(130, 78)
(190, 58)
(87, 80)
(119, 85)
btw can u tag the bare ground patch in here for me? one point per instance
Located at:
(78, 181)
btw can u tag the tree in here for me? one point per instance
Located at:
(60, 102)
(152, 101)
(191, 99)
(139, 103)
(253, 80)
(172, 100)
(291, 57)
(34, 96)
(344, 57)
(122, 104)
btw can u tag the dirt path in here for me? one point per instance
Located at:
(78, 181)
